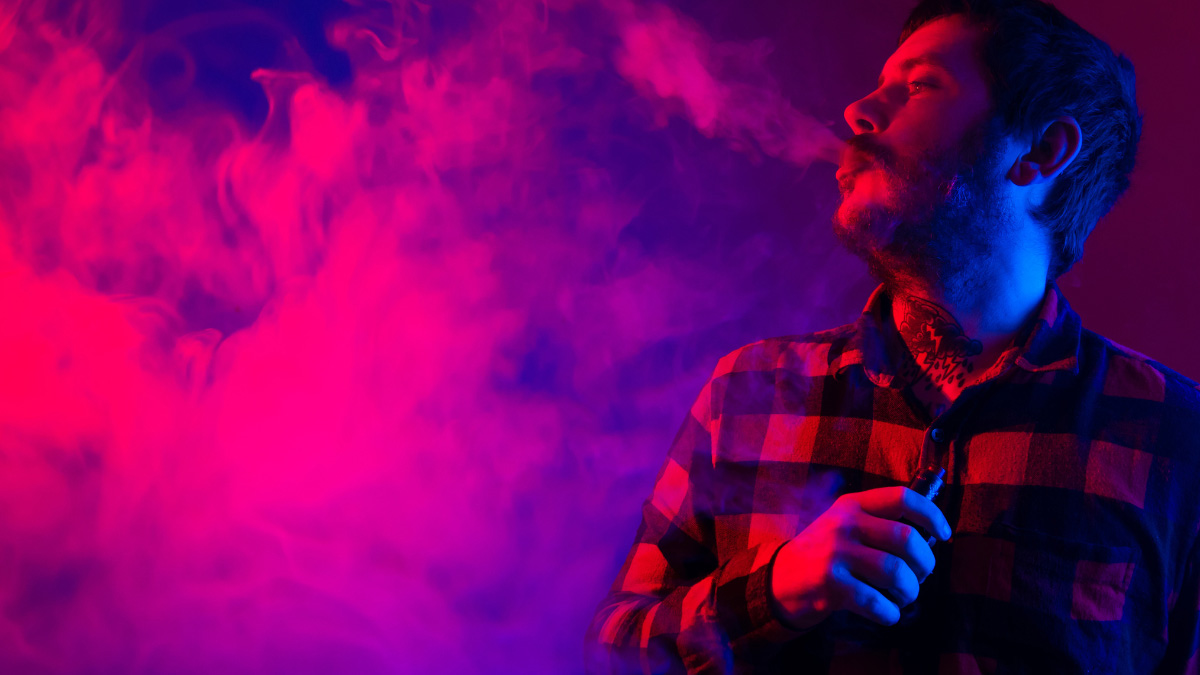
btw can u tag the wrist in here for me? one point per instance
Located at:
(781, 613)
(798, 620)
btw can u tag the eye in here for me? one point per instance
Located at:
(919, 86)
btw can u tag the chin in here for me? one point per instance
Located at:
(866, 225)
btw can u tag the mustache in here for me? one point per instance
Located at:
(868, 148)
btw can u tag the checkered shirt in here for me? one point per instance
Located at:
(1072, 487)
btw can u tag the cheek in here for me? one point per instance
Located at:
(934, 131)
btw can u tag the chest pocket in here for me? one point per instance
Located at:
(1066, 602)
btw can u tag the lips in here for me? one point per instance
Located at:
(852, 163)
(845, 175)
(847, 171)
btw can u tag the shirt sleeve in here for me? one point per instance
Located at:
(674, 608)
(1183, 627)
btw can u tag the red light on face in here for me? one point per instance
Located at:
(853, 162)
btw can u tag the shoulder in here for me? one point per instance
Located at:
(1131, 374)
(749, 382)
(808, 354)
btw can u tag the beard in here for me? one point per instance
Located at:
(938, 219)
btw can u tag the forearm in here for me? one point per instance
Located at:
(702, 627)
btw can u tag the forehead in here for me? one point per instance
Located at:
(948, 41)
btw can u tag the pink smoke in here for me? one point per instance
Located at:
(360, 390)
(666, 56)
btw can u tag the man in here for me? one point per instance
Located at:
(779, 536)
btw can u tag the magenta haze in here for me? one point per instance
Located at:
(379, 386)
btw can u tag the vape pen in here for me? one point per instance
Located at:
(927, 483)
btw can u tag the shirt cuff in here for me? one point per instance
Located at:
(743, 599)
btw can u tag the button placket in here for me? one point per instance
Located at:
(938, 442)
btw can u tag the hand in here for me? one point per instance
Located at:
(858, 556)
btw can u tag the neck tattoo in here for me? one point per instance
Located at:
(943, 354)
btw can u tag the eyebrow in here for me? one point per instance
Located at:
(922, 60)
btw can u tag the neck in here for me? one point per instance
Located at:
(954, 337)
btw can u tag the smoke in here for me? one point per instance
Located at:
(378, 384)
(725, 89)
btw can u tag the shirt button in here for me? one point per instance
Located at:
(938, 435)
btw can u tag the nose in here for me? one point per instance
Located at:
(866, 115)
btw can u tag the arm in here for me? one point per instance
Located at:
(673, 607)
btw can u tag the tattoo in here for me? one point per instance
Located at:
(934, 337)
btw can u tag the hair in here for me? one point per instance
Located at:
(1041, 66)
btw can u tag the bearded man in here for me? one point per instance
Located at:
(780, 536)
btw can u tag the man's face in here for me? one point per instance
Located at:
(920, 179)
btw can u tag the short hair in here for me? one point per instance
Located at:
(1042, 65)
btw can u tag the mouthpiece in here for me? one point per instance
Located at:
(928, 481)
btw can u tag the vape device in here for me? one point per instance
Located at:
(927, 483)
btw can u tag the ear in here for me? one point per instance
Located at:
(1053, 152)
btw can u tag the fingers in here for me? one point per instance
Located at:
(863, 599)
(885, 572)
(894, 503)
(900, 540)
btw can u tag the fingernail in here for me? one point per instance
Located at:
(946, 533)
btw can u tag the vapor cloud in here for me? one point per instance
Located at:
(376, 386)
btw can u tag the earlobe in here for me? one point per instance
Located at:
(1023, 173)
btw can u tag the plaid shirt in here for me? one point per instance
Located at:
(1071, 486)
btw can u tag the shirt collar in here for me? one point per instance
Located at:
(1051, 342)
